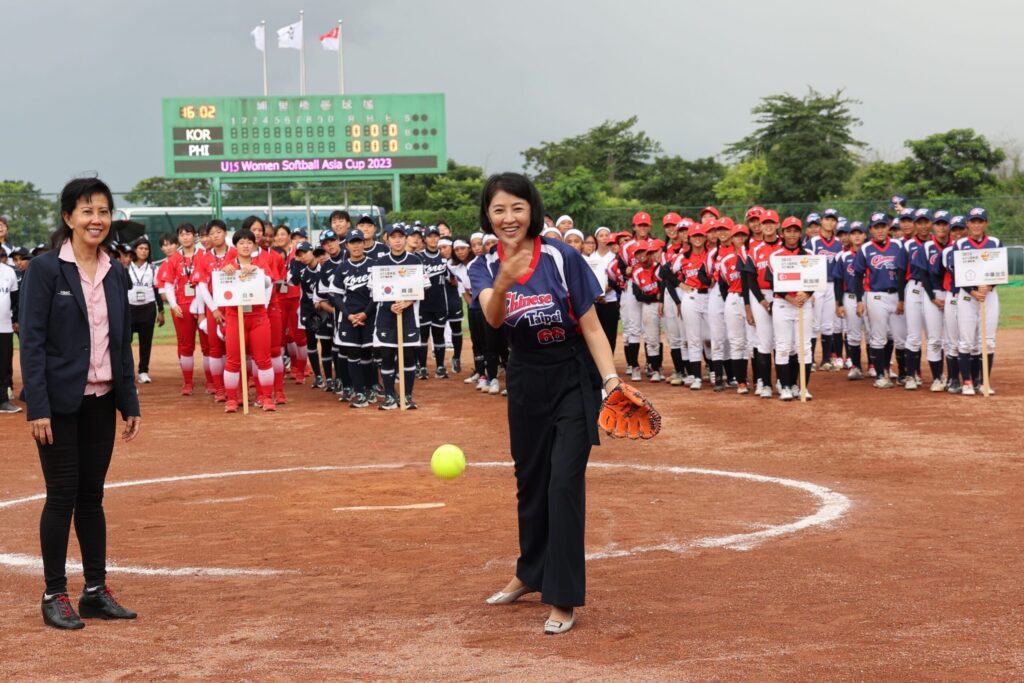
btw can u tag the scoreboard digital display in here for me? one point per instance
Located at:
(313, 136)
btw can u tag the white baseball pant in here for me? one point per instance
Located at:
(913, 313)
(631, 315)
(765, 339)
(881, 310)
(674, 330)
(855, 326)
(951, 327)
(785, 325)
(695, 322)
(969, 322)
(716, 323)
(652, 328)
(736, 325)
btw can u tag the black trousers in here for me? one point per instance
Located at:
(476, 336)
(6, 364)
(74, 468)
(551, 437)
(608, 315)
(143, 322)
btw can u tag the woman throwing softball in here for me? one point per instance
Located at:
(541, 293)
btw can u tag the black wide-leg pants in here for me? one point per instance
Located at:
(552, 427)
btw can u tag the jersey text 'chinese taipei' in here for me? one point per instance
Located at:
(543, 307)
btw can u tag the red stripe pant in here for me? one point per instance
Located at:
(257, 339)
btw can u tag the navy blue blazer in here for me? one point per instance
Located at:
(55, 341)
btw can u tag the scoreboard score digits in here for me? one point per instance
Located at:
(311, 136)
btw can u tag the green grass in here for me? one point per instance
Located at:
(1011, 304)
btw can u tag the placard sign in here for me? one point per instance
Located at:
(804, 273)
(397, 283)
(599, 271)
(981, 267)
(232, 290)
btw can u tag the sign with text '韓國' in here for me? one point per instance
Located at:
(977, 267)
(803, 273)
(234, 290)
(397, 283)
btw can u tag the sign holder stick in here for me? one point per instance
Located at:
(401, 361)
(244, 361)
(800, 349)
(983, 336)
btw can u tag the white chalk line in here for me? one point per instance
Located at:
(833, 506)
(217, 501)
(413, 506)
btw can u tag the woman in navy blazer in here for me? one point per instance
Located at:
(77, 369)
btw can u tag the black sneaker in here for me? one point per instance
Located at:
(441, 373)
(102, 604)
(358, 401)
(330, 386)
(318, 382)
(58, 613)
(346, 394)
(423, 374)
(410, 404)
(372, 396)
(456, 365)
(8, 407)
(378, 389)
(389, 403)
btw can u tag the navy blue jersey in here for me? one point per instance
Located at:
(885, 265)
(543, 308)
(911, 245)
(946, 268)
(451, 291)
(327, 269)
(474, 303)
(350, 287)
(435, 269)
(842, 269)
(967, 244)
(820, 246)
(308, 280)
(376, 251)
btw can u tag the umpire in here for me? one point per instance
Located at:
(76, 361)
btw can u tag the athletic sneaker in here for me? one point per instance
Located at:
(441, 373)
(734, 383)
(872, 373)
(410, 404)
(268, 405)
(456, 365)
(968, 389)
(424, 373)
(786, 394)
(910, 384)
(848, 364)
(837, 364)
(687, 380)
(938, 385)
(483, 384)
(330, 386)
(954, 387)
(656, 376)
(883, 382)
(806, 393)
(186, 389)
(144, 378)
(504, 392)
(635, 375)
(220, 396)
(855, 373)
(231, 406)
(389, 403)
(472, 379)
(981, 390)
(372, 395)
(318, 383)
(279, 398)
(742, 389)
(346, 394)
(359, 401)
(765, 392)
(718, 386)
(814, 368)
(676, 379)
(494, 388)
(695, 384)
(8, 407)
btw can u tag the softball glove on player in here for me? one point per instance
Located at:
(627, 413)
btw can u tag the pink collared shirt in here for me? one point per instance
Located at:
(100, 380)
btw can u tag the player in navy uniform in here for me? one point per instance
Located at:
(930, 295)
(385, 331)
(973, 340)
(371, 247)
(541, 293)
(846, 299)
(885, 263)
(304, 271)
(826, 244)
(434, 307)
(334, 365)
(352, 305)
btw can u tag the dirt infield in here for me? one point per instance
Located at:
(903, 560)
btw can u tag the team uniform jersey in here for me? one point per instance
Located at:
(542, 309)
(646, 284)
(434, 304)
(308, 280)
(177, 272)
(453, 289)
(8, 297)
(925, 266)
(350, 294)
(830, 249)
(911, 246)
(691, 270)
(884, 265)
(376, 251)
(731, 270)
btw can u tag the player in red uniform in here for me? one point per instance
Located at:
(731, 284)
(176, 279)
(272, 264)
(647, 289)
(207, 262)
(294, 335)
(760, 297)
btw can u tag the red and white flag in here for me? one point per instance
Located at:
(331, 40)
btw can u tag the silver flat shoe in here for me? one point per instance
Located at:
(502, 598)
(553, 627)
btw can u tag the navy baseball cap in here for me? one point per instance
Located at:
(354, 236)
(830, 213)
(923, 215)
(299, 232)
(977, 212)
(417, 224)
(895, 224)
(843, 226)
(941, 216)
(907, 214)
(855, 225)
(897, 199)
(396, 227)
(878, 218)
(432, 230)
(958, 223)
(365, 219)
(327, 235)
(303, 246)
(813, 218)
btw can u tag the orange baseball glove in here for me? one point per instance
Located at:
(627, 413)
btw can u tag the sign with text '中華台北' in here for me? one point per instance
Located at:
(308, 137)
(975, 267)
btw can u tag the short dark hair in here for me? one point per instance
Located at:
(186, 227)
(204, 229)
(243, 234)
(168, 238)
(69, 196)
(339, 213)
(252, 220)
(517, 185)
(217, 223)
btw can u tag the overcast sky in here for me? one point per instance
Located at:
(82, 82)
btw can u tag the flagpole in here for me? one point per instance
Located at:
(302, 55)
(263, 24)
(341, 63)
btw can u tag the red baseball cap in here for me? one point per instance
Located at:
(671, 218)
(792, 222)
(641, 218)
(685, 222)
(612, 238)
(755, 212)
(697, 229)
(641, 245)
(726, 223)
(623, 234)
(655, 244)
(739, 230)
(709, 209)
(769, 216)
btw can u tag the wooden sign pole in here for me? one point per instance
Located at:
(244, 361)
(800, 348)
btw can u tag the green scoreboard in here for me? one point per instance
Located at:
(308, 137)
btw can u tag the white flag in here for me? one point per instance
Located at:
(259, 35)
(290, 36)
(331, 40)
